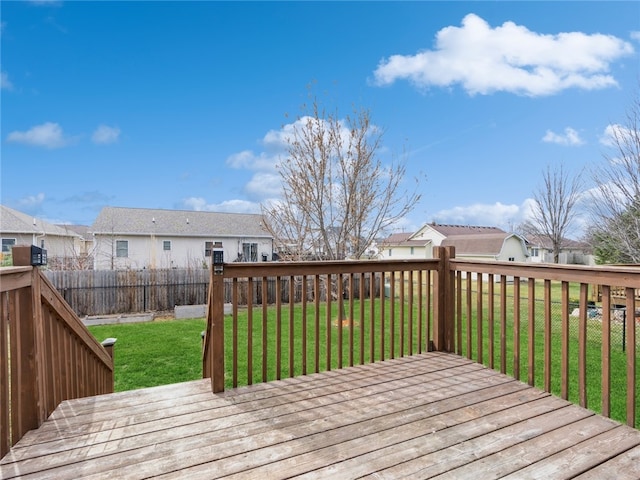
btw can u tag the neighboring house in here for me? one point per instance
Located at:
(137, 238)
(63, 245)
(571, 252)
(471, 242)
(400, 246)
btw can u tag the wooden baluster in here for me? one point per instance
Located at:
(606, 351)
(516, 328)
(491, 319)
(503, 324)
(547, 335)
(304, 324)
(531, 300)
(250, 287)
(291, 325)
(564, 359)
(631, 355)
(582, 346)
(278, 327)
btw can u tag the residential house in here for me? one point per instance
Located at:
(63, 245)
(571, 251)
(137, 238)
(471, 242)
(401, 246)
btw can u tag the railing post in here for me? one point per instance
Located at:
(443, 301)
(216, 320)
(24, 389)
(108, 344)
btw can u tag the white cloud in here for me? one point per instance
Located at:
(569, 137)
(5, 83)
(264, 185)
(613, 131)
(47, 135)
(635, 35)
(509, 58)
(231, 206)
(104, 135)
(31, 202)
(494, 215)
(250, 161)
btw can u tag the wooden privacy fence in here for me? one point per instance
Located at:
(96, 292)
(108, 292)
(497, 313)
(46, 354)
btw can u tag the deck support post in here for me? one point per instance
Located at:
(443, 301)
(214, 337)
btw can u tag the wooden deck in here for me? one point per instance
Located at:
(422, 416)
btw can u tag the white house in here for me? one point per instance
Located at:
(571, 251)
(471, 242)
(137, 238)
(64, 246)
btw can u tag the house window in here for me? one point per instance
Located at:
(122, 248)
(7, 243)
(535, 252)
(208, 248)
(390, 250)
(250, 252)
(411, 250)
(512, 259)
(166, 245)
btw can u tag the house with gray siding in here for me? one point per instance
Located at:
(141, 238)
(470, 241)
(63, 244)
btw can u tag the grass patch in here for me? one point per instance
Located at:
(154, 353)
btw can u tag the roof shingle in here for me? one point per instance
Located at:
(144, 221)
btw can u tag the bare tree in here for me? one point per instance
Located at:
(554, 210)
(337, 194)
(616, 199)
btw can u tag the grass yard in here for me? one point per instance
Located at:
(154, 353)
(163, 352)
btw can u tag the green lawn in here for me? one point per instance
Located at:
(163, 352)
(593, 351)
(154, 353)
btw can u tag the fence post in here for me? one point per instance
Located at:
(216, 320)
(443, 301)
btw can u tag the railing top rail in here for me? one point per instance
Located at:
(272, 269)
(10, 270)
(622, 276)
(13, 278)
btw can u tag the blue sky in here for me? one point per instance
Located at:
(182, 105)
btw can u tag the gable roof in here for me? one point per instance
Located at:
(82, 230)
(13, 221)
(403, 239)
(477, 244)
(542, 241)
(448, 230)
(182, 223)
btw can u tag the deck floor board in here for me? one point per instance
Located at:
(423, 416)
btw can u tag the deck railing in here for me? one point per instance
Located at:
(534, 322)
(326, 315)
(46, 354)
